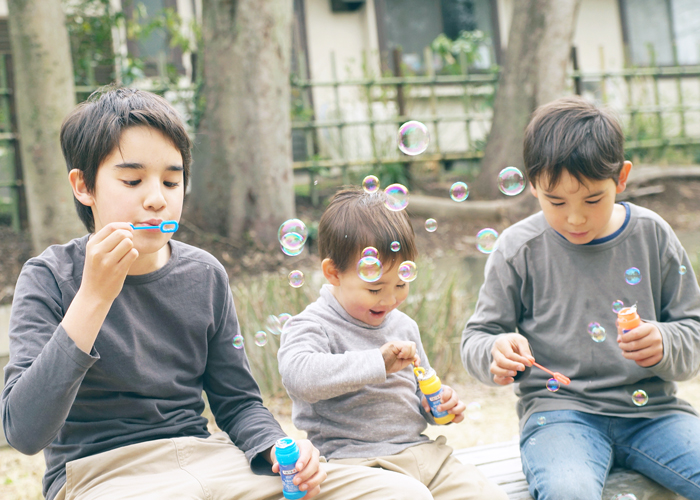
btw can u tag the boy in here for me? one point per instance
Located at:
(561, 269)
(114, 335)
(346, 359)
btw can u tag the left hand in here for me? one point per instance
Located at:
(449, 402)
(643, 345)
(310, 472)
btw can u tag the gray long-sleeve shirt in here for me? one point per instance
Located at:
(168, 336)
(550, 290)
(342, 397)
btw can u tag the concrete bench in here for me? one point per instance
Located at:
(500, 462)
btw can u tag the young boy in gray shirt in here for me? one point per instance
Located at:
(551, 291)
(346, 360)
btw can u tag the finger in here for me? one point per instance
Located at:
(309, 467)
(636, 333)
(645, 363)
(458, 418)
(416, 361)
(458, 408)
(637, 345)
(276, 468)
(640, 354)
(503, 380)
(522, 350)
(129, 258)
(314, 481)
(502, 372)
(306, 451)
(506, 363)
(312, 493)
(107, 230)
(112, 241)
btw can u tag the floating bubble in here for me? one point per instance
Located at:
(260, 338)
(413, 138)
(238, 341)
(292, 234)
(370, 252)
(617, 306)
(541, 421)
(395, 246)
(284, 317)
(682, 269)
(474, 410)
(596, 332)
(408, 271)
(396, 197)
(624, 496)
(511, 181)
(292, 253)
(486, 240)
(633, 276)
(430, 225)
(553, 385)
(370, 183)
(273, 324)
(459, 191)
(532, 441)
(640, 398)
(369, 269)
(296, 279)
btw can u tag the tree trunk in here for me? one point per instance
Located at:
(534, 73)
(45, 95)
(242, 179)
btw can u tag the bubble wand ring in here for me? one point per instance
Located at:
(167, 226)
(558, 376)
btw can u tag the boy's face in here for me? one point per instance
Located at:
(367, 302)
(581, 212)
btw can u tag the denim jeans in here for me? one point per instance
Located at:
(568, 454)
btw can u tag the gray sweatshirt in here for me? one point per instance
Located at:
(342, 397)
(548, 289)
(167, 336)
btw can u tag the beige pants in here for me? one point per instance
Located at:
(213, 468)
(433, 465)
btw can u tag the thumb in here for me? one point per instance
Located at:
(424, 403)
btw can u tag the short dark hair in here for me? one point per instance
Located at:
(355, 220)
(93, 130)
(573, 134)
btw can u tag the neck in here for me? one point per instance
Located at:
(151, 262)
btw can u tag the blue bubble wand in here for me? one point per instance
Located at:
(167, 226)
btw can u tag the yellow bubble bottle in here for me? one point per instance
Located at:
(431, 386)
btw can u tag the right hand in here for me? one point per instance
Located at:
(108, 256)
(398, 355)
(510, 354)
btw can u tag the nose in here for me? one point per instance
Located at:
(154, 198)
(575, 218)
(388, 300)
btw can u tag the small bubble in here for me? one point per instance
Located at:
(238, 341)
(633, 276)
(395, 246)
(617, 306)
(273, 324)
(370, 252)
(541, 421)
(511, 181)
(640, 398)
(370, 184)
(396, 197)
(296, 279)
(315, 183)
(532, 441)
(284, 317)
(459, 191)
(682, 269)
(260, 338)
(596, 332)
(413, 138)
(430, 225)
(369, 269)
(486, 240)
(408, 271)
(553, 385)
(474, 411)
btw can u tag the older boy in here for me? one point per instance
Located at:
(561, 269)
(346, 359)
(114, 335)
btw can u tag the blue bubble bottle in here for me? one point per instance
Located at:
(287, 453)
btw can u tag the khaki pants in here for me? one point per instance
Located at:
(212, 469)
(434, 466)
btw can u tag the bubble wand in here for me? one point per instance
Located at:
(558, 376)
(167, 226)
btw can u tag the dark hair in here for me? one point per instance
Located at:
(93, 129)
(573, 134)
(355, 220)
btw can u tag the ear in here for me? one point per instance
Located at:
(624, 176)
(533, 190)
(80, 190)
(330, 272)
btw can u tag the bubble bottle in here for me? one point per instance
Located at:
(287, 453)
(628, 319)
(431, 386)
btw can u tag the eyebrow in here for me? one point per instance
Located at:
(592, 195)
(139, 166)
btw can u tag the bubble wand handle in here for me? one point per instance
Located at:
(558, 376)
(167, 226)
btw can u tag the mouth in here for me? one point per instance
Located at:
(578, 235)
(376, 314)
(155, 223)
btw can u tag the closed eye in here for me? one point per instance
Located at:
(171, 184)
(375, 292)
(556, 204)
(132, 183)
(403, 285)
(593, 202)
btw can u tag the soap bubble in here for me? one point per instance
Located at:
(459, 191)
(682, 270)
(553, 385)
(292, 234)
(541, 421)
(296, 279)
(273, 324)
(532, 441)
(633, 276)
(370, 252)
(486, 240)
(474, 410)
(408, 271)
(395, 246)
(238, 341)
(292, 253)
(511, 181)
(284, 317)
(369, 269)
(617, 306)
(430, 225)
(624, 496)
(396, 197)
(640, 398)
(370, 184)
(596, 332)
(413, 138)
(260, 338)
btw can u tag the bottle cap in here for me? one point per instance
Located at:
(421, 374)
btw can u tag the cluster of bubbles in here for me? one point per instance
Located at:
(273, 324)
(292, 236)
(408, 271)
(596, 331)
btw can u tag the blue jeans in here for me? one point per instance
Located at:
(570, 454)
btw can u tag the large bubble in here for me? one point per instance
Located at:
(486, 240)
(369, 269)
(408, 271)
(396, 197)
(459, 191)
(413, 138)
(511, 181)
(370, 184)
(273, 324)
(292, 236)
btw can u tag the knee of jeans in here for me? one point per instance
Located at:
(568, 487)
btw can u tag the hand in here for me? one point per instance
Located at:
(108, 256)
(510, 354)
(449, 402)
(643, 345)
(398, 355)
(310, 472)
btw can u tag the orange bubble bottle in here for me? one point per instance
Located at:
(628, 319)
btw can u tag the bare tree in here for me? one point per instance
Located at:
(534, 73)
(242, 179)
